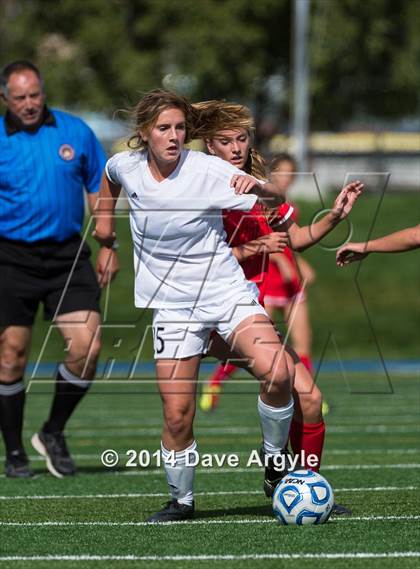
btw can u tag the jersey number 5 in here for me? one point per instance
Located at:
(159, 343)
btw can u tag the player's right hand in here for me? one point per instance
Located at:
(347, 198)
(243, 183)
(275, 242)
(350, 253)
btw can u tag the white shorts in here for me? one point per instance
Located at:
(184, 332)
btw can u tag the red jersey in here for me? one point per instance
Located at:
(280, 292)
(244, 226)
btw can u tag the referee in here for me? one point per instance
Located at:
(47, 159)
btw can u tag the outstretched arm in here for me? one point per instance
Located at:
(303, 237)
(404, 240)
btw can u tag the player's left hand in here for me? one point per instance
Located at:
(107, 265)
(347, 198)
(243, 183)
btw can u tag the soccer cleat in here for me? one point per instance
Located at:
(340, 510)
(52, 446)
(325, 408)
(272, 473)
(17, 465)
(172, 512)
(209, 399)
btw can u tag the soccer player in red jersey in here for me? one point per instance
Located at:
(227, 132)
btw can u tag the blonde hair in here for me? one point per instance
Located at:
(213, 116)
(148, 109)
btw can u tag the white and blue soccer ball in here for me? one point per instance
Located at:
(302, 498)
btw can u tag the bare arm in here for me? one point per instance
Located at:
(107, 262)
(303, 237)
(306, 270)
(404, 240)
(272, 243)
(92, 199)
(104, 231)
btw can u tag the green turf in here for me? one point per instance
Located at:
(379, 433)
(358, 312)
(364, 430)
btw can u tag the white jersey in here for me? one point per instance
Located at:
(180, 253)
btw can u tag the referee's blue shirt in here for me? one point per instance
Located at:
(42, 176)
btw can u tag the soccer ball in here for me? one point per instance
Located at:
(303, 497)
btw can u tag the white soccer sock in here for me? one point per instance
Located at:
(179, 476)
(275, 425)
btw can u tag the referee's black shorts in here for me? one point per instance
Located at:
(57, 274)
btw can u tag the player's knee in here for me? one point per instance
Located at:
(311, 406)
(83, 355)
(279, 381)
(178, 422)
(284, 374)
(12, 360)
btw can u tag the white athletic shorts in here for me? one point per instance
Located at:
(184, 332)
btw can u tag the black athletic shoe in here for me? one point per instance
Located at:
(52, 446)
(273, 474)
(17, 465)
(172, 512)
(340, 510)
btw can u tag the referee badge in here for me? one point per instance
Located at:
(66, 152)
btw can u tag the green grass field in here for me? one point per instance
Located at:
(96, 518)
(371, 454)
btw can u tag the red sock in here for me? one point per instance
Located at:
(222, 373)
(308, 437)
(307, 362)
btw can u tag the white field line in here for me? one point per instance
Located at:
(253, 470)
(199, 522)
(213, 431)
(117, 422)
(232, 557)
(165, 494)
(346, 451)
(391, 451)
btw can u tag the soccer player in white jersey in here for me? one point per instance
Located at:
(185, 271)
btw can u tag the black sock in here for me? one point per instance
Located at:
(67, 396)
(12, 401)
